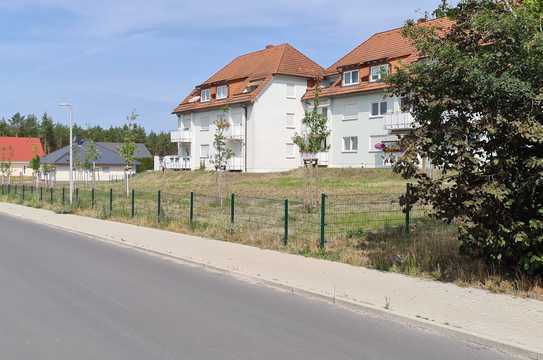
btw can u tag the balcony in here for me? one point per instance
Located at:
(235, 132)
(398, 121)
(176, 162)
(235, 164)
(181, 136)
(321, 158)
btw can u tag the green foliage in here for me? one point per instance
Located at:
(91, 155)
(477, 100)
(317, 130)
(222, 153)
(128, 148)
(35, 163)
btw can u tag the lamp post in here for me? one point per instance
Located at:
(70, 109)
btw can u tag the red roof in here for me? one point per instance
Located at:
(19, 149)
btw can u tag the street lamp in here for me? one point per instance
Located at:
(70, 109)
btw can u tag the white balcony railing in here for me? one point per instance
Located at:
(235, 164)
(398, 121)
(322, 158)
(180, 136)
(235, 132)
(176, 162)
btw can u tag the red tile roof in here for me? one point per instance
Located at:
(20, 149)
(254, 68)
(385, 47)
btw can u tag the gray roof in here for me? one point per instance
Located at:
(108, 154)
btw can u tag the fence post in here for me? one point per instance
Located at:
(191, 209)
(63, 195)
(158, 210)
(407, 210)
(51, 195)
(232, 208)
(23, 192)
(9, 189)
(92, 198)
(285, 237)
(41, 194)
(133, 204)
(77, 197)
(110, 202)
(323, 221)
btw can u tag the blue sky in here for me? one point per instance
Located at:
(109, 57)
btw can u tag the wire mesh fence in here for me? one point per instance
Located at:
(288, 221)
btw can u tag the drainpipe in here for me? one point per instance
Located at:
(245, 140)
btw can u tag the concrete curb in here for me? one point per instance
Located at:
(361, 307)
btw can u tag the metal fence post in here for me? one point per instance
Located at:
(51, 191)
(92, 198)
(41, 194)
(63, 195)
(191, 209)
(77, 196)
(323, 221)
(133, 204)
(285, 237)
(158, 209)
(23, 192)
(232, 208)
(110, 202)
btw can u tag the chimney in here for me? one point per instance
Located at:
(269, 46)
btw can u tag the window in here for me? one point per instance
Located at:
(350, 112)
(291, 91)
(351, 77)
(324, 112)
(290, 121)
(222, 92)
(378, 72)
(205, 95)
(379, 109)
(204, 124)
(204, 151)
(290, 150)
(350, 144)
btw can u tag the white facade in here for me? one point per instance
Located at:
(355, 130)
(102, 173)
(260, 133)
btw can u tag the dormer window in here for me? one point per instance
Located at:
(378, 72)
(205, 95)
(222, 92)
(351, 77)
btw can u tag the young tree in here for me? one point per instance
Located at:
(312, 142)
(222, 153)
(6, 155)
(91, 155)
(35, 166)
(477, 100)
(128, 148)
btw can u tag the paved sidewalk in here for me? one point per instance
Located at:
(476, 315)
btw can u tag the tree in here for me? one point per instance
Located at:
(128, 148)
(6, 155)
(91, 155)
(222, 153)
(35, 166)
(477, 100)
(310, 143)
(47, 133)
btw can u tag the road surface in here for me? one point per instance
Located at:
(66, 296)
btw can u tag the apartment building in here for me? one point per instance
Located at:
(365, 122)
(265, 94)
(260, 95)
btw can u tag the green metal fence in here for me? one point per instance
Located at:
(288, 221)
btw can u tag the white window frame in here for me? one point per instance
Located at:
(349, 149)
(353, 116)
(222, 92)
(204, 146)
(349, 74)
(378, 70)
(290, 151)
(205, 95)
(204, 121)
(380, 113)
(290, 121)
(291, 91)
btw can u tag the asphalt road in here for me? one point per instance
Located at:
(65, 296)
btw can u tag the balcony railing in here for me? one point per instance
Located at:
(176, 162)
(180, 136)
(235, 132)
(398, 121)
(235, 164)
(322, 158)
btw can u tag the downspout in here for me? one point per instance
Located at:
(245, 140)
